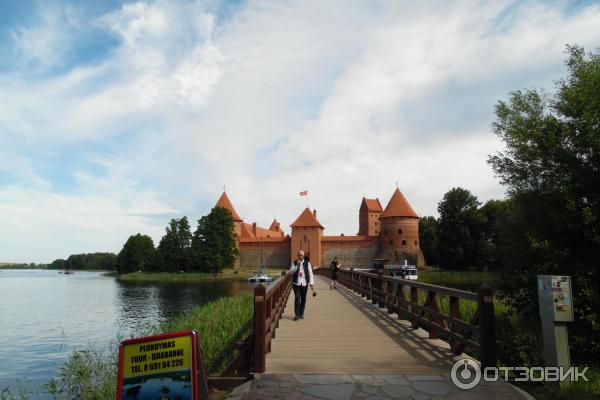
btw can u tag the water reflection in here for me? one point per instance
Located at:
(157, 302)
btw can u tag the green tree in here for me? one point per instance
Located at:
(59, 263)
(91, 261)
(213, 244)
(551, 167)
(459, 230)
(174, 247)
(138, 254)
(428, 237)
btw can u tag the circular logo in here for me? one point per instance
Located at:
(465, 373)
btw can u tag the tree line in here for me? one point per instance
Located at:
(550, 221)
(210, 248)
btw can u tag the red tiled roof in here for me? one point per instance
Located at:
(248, 232)
(307, 218)
(398, 207)
(224, 202)
(373, 204)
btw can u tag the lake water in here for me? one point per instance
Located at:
(46, 315)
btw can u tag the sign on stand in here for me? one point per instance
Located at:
(162, 367)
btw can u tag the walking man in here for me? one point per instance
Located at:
(302, 276)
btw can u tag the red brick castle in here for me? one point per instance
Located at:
(391, 233)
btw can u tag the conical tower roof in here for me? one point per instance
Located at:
(224, 202)
(398, 207)
(307, 218)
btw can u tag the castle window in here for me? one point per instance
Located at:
(400, 231)
(385, 232)
(304, 238)
(375, 223)
(404, 243)
(416, 244)
(391, 242)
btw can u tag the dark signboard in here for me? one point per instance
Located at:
(162, 367)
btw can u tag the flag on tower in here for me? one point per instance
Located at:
(304, 193)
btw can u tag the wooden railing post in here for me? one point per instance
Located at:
(390, 297)
(487, 328)
(432, 304)
(414, 298)
(454, 310)
(260, 318)
(401, 304)
(374, 288)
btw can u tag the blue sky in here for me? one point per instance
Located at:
(117, 116)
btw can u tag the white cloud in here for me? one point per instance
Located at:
(42, 225)
(340, 98)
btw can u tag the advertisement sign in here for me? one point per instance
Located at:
(162, 367)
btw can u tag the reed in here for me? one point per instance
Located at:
(91, 375)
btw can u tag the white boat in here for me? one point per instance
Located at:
(404, 271)
(261, 277)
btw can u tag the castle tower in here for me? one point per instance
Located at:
(399, 235)
(224, 202)
(307, 232)
(368, 217)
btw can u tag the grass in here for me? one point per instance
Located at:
(576, 390)
(91, 375)
(243, 273)
(459, 279)
(219, 324)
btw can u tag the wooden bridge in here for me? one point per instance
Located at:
(376, 337)
(370, 325)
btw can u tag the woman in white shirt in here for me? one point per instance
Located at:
(302, 277)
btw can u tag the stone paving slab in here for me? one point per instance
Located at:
(364, 387)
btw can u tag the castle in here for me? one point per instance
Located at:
(391, 233)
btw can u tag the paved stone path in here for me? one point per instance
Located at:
(368, 387)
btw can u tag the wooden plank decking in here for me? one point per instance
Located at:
(343, 333)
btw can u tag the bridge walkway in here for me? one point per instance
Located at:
(343, 333)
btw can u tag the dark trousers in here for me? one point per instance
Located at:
(299, 299)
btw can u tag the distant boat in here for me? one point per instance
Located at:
(261, 277)
(66, 271)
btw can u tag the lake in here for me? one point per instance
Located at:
(46, 316)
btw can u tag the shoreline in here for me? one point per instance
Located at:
(228, 275)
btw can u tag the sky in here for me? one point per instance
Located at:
(117, 116)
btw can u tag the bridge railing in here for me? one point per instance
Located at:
(420, 304)
(269, 303)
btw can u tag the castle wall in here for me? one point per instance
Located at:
(274, 253)
(352, 252)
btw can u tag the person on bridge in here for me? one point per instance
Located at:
(302, 277)
(335, 267)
